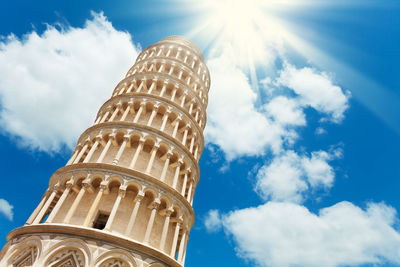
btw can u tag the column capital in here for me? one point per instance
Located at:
(127, 136)
(178, 220)
(104, 187)
(157, 105)
(122, 191)
(155, 204)
(119, 104)
(168, 111)
(139, 196)
(167, 212)
(168, 154)
(69, 184)
(56, 188)
(98, 137)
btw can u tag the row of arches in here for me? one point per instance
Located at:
(137, 150)
(71, 252)
(173, 68)
(110, 203)
(156, 114)
(173, 71)
(177, 52)
(163, 89)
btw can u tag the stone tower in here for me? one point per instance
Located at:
(125, 196)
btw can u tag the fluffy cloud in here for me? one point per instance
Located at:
(212, 221)
(286, 234)
(234, 123)
(240, 128)
(52, 84)
(290, 175)
(316, 90)
(6, 209)
(286, 111)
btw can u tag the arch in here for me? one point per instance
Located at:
(26, 252)
(71, 250)
(111, 258)
(115, 179)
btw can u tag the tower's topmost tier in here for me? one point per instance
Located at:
(183, 41)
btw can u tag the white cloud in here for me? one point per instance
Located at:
(212, 221)
(289, 176)
(234, 123)
(317, 169)
(320, 131)
(286, 234)
(316, 90)
(6, 209)
(286, 111)
(53, 84)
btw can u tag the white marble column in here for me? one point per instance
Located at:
(83, 150)
(194, 137)
(105, 149)
(121, 195)
(175, 240)
(75, 204)
(93, 208)
(142, 84)
(137, 152)
(152, 157)
(121, 149)
(182, 245)
(116, 111)
(177, 172)
(77, 149)
(38, 208)
(195, 152)
(153, 114)
(165, 119)
(167, 213)
(176, 125)
(57, 207)
(132, 219)
(139, 112)
(184, 98)
(126, 112)
(92, 149)
(163, 88)
(166, 164)
(185, 134)
(185, 177)
(153, 84)
(174, 93)
(190, 190)
(130, 87)
(46, 206)
(171, 70)
(106, 114)
(153, 206)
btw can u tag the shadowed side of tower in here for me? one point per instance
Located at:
(125, 196)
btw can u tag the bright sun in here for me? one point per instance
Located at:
(247, 26)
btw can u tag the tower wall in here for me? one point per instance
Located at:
(125, 196)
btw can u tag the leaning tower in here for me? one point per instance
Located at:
(125, 196)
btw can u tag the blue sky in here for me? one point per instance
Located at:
(301, 166)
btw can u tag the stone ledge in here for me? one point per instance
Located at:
(91, 233)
